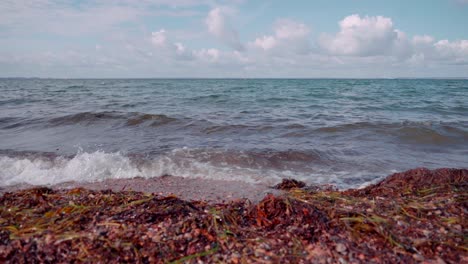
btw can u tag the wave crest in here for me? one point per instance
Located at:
(266, 167)
(128, 119)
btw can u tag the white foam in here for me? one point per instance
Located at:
(99, 165)
(83, 167)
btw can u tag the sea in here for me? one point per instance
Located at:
(345, 132)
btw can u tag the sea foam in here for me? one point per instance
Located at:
(39, 169)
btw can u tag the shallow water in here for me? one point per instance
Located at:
(343, 132)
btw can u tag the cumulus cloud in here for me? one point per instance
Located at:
(166, 47)
(426, 49)
(211, 55)
(452, 49)
(119, 43)
(218, 25)
(422, 40)
(456, 52)
(364, 36)
(265, 42)
(178, 51)
(158, 38)
(290, 29)
(289, 36)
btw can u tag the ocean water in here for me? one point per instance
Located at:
(331, 131)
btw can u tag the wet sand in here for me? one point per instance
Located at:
(212, 191)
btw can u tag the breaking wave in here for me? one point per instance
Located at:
(266, 167)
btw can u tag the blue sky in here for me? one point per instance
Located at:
(237, 38)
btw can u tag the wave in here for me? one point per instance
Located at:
(266, 167)
(407, 132)
(212, 98)
(17, 122)
(134, 119)
(18, 101)
(154, 119)
(424, 132)
(6, 122)
(128, 119)
(84, 118)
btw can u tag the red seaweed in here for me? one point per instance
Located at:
(411, 217)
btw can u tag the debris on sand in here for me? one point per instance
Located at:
(411, 217)
(287, 184)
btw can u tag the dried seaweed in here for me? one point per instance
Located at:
(411, 217)
(287, 184)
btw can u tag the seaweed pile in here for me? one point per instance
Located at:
(410, 217)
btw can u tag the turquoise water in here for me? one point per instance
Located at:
(338, 131)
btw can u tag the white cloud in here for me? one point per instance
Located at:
(366, 36)
(20, 17)
(178, 51)
(422, 40)
(118, 41)
(454, 52)
(218, 25)
(166, 47)
(158, 38)
(452, 49)
(376, 36)
(427, 49)
(180, 48)
(211, 55)
(59, 18)
(265, 42)
(289, 36)
(290, 29)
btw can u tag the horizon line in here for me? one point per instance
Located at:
(235, 78)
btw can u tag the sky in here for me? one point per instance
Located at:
(233, 39)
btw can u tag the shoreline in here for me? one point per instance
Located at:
(416, 216)
(208, 190)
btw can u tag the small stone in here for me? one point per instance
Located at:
(259, 252)
(418, 257)
(443, 230)
(340, 248)
(342, 261)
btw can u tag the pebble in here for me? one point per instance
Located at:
(188, 236)
(418, 257)
(342, 261)
(340, 248)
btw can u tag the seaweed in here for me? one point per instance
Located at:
(411, 217)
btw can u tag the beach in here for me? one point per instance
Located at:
(215, 131)
(213, 191)
(416, 216)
